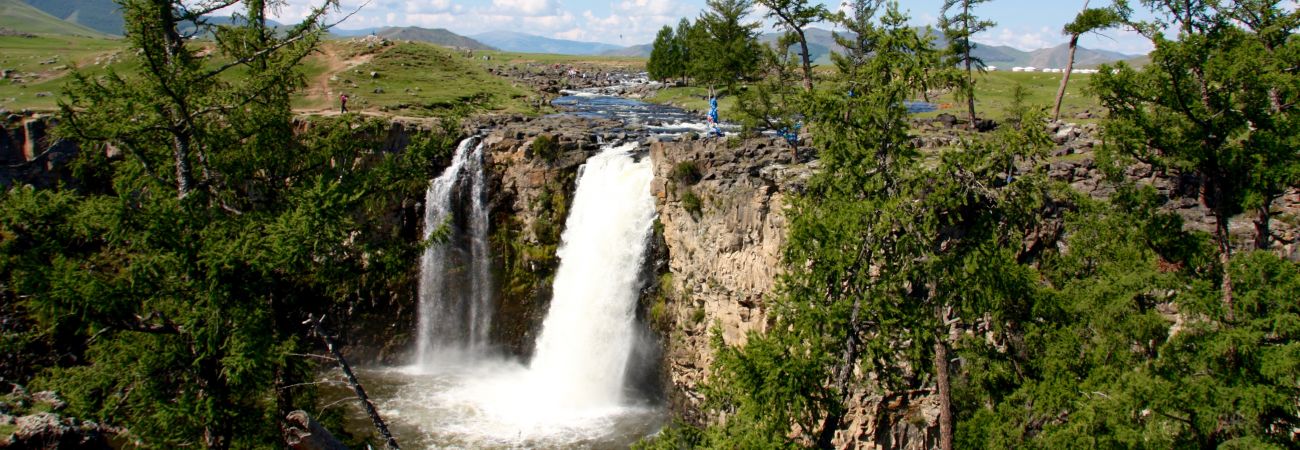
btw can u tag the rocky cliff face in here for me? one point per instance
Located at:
(723, 225)
(722, 209)
(30, 154)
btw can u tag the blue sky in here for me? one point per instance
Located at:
(1024, 24)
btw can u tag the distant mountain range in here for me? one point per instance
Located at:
(526, 43)
(23, 18)
(437, 36)
(100, 15)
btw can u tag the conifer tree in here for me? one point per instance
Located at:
(1217, 103)
(180, 284)
(687, 40)
(795, 16)
(726, 50)
(958, 27)
(1088, 21)
(665, 56)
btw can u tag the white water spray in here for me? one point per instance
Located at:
(573, 392)
(455, 309)
(589, 333)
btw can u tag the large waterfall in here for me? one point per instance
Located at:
(573, 392)
(455, 307)
(589, 333)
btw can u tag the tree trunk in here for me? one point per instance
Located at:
(184, 176)
(970, 77)
(807, 65)
(944, 389)
(1263, 228)
(1065, 78)
(1225, 260)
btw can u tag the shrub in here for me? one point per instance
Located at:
(545, 147)
(686, 172)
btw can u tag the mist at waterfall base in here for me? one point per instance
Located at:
(574, 391)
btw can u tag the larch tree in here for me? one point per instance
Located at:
(1089, 20)
(179, 283)
(727, 50)
(958, 24)
(665, 56)
(795, 16)
(1218, 104)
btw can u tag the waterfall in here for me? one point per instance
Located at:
(589, 332)
(455, 309)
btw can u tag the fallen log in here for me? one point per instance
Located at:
(389, 442)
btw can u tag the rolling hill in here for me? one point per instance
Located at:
(437, 36)
(18, 16)
(100, 15)
(526, 43)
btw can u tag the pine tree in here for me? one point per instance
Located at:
(958, 28)
(727, 50)
(665, 56)
(1089, 20)
(795, 16)
(179, 289)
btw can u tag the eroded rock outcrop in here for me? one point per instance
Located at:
(723, 222)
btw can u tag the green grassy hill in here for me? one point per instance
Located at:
(101, 15)
(433, 36)
(18, 16)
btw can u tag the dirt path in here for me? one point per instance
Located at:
(318, 91)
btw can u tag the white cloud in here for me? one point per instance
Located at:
(1021, 39)
(525, 7)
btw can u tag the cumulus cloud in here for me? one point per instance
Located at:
(1022, 39)
(525, 7)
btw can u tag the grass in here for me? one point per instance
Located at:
(43, 64)
(419, 79)
(992, 96)
(695, 98)
(414, 79)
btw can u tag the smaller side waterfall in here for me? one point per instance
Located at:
(455, 309)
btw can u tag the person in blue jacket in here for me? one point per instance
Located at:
(713, 117)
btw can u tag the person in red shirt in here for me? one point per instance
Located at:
(343, 103)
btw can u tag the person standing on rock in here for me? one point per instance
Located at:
(343, 103)
(713, 117)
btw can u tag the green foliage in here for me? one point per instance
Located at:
(691, 202)
(686, 172)
(666, 59)
(725, 51)
(179, 287)
(958, 27)
(795, 16)
(1091, 20)
(697, 315)
(545, 147)
(1071, 321)
(1214, 104)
